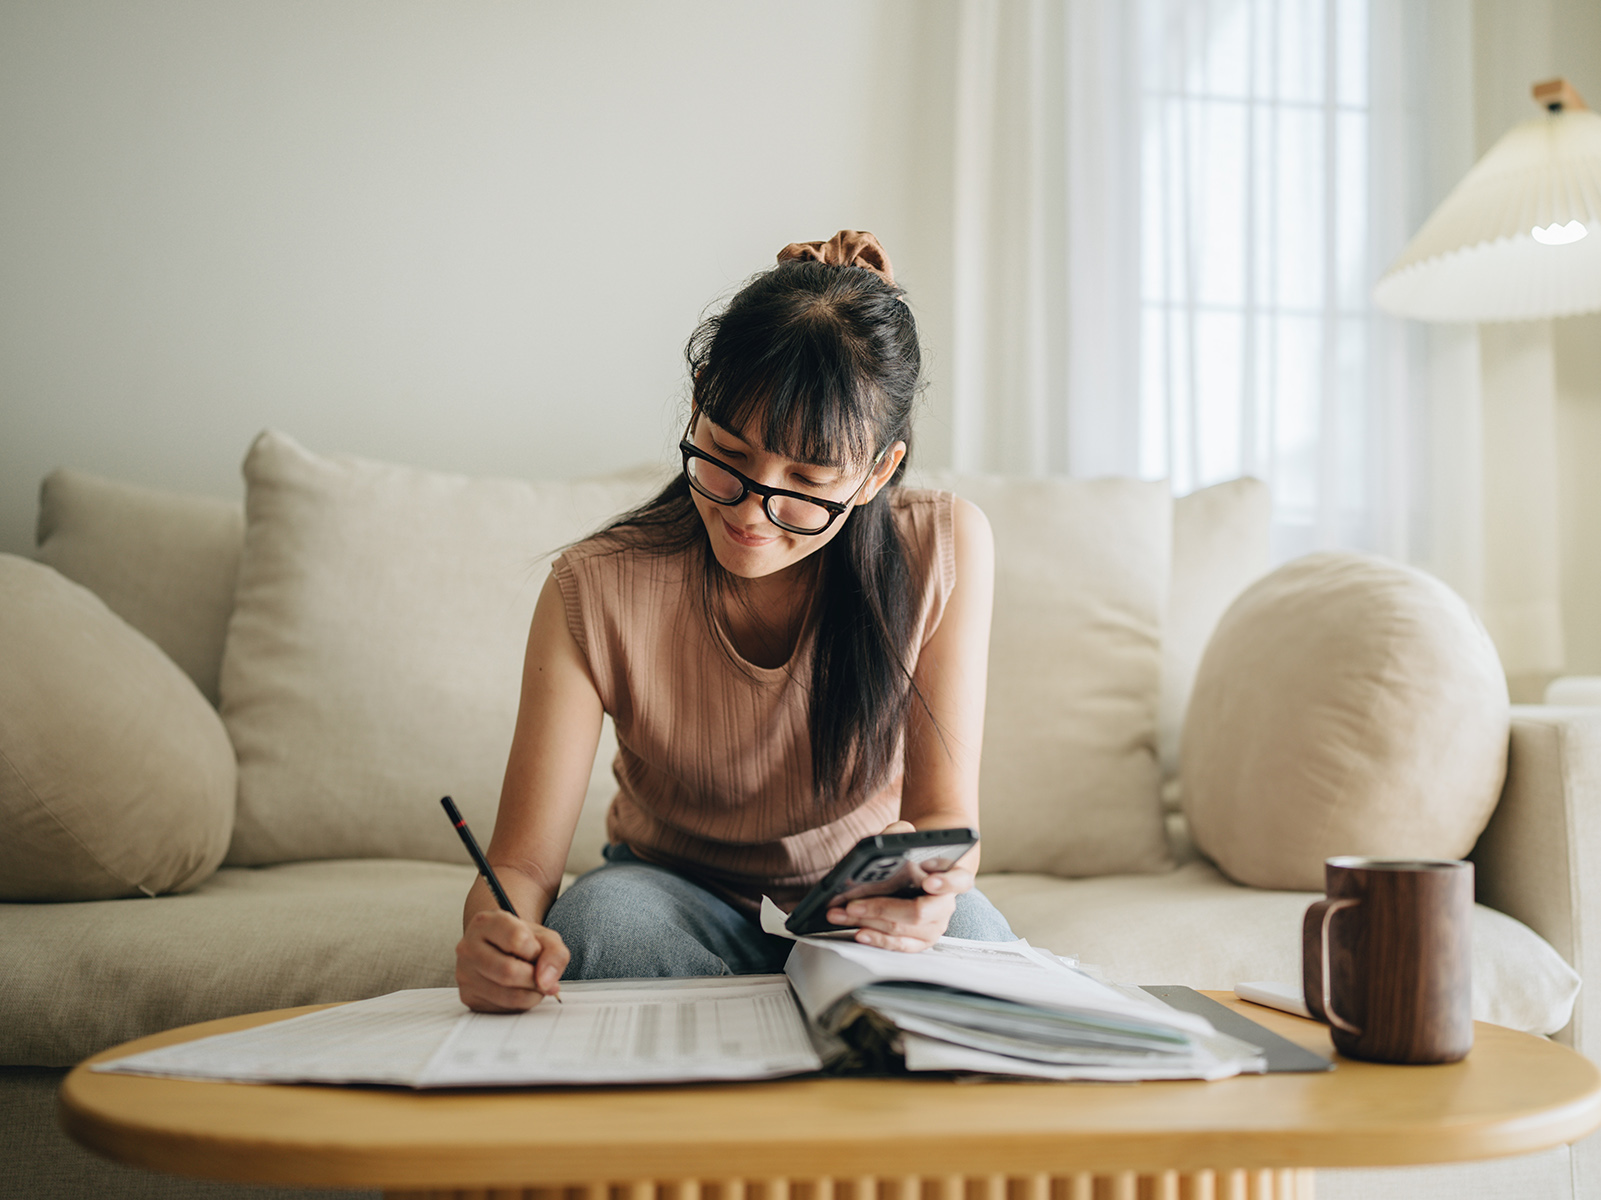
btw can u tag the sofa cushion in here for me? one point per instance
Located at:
(1070, 780)
(1347, 704)
(375, 654)
(1220, 547)
(1194, 927)
(81, 977)
(162, 561)
(116, 777)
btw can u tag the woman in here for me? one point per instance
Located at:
(793, 650)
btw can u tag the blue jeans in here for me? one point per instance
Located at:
(629, 919)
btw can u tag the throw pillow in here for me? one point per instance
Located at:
(116, 776)
(1070, 783)
(1345, 705)
(162, 561)
(374, 659)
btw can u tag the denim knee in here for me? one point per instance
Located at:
(618, 922)
(977, 920)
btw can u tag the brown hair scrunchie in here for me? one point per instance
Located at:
(847, 248)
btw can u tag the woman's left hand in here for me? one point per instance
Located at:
(892, 923)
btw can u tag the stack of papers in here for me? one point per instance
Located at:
(1004, 1008)
(983, 1007)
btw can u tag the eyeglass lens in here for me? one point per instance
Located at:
(787, 511)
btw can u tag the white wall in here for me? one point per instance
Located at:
(467, 234)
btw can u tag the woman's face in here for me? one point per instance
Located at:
(745, 542)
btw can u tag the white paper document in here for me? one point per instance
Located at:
(385, 1040)
(613, 1031)
(734, 1029)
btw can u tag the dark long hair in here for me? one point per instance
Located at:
(818, 363)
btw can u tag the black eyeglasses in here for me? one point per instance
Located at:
(793, 512)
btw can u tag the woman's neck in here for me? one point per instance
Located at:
(766, 617)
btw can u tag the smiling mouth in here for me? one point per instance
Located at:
(743, 539)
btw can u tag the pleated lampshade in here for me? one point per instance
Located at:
(1519, 238)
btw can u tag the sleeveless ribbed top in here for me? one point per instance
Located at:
(713, 767)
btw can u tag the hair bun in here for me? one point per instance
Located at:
(847, 248)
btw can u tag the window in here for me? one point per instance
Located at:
(1255, 259)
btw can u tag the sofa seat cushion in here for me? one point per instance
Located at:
(82, 977)
(1194, 927)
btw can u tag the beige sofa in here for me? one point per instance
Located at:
(361, 626)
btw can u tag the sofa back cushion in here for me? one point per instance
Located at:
(1070, 782)
(116, 777)
(1220, 547)
(163, 562)
(374, 658)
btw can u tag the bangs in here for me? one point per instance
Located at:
(785, 373)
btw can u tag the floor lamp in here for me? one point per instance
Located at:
(1518, 239)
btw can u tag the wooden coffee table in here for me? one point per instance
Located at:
(1249, 1138)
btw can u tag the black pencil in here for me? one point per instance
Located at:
(484, 869)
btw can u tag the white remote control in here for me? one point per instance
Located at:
(1282, 996)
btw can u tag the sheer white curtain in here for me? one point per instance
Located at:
(1169, 215)
(1045, 361)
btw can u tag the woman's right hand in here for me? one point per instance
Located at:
(504, 964)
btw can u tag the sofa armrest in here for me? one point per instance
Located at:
(1539, 859)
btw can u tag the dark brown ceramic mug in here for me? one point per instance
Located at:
(1386, 959)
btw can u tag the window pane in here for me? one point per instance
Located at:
(1154, 391)
(1179, 370)
(1352, 391)
(1351, 52)
(1219, 177)
(1351, 204)
(1160, 199)
(1265, 24)
(1227, 52)
(1218, 339)
(1299, 53)
(1296, 384)
(1298, 227)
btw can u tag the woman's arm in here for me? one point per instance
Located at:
(552, 750)
(943, 741)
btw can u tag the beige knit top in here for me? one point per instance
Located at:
(713, 766)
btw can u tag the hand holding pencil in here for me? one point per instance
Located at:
(503, 963)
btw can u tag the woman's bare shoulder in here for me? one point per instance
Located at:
(971, 525)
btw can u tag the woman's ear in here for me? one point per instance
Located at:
(884, 471)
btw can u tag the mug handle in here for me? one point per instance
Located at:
(1323, 912)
